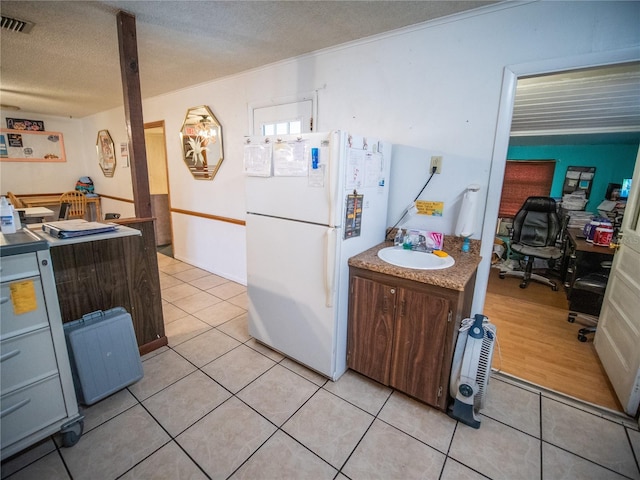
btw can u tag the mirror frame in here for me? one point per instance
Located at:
(201, 142)
(106, 153)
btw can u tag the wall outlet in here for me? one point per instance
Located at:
(436, 161)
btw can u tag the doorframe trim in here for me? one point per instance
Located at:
(161, 124)
(274, 102)
(502, 138)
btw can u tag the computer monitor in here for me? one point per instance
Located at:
(624, 189)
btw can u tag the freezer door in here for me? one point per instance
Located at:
(307, 198)
(290, 285)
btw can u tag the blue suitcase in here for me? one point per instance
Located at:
(103, 353)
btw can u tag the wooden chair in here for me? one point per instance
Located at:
(15, 201)
(77, 203)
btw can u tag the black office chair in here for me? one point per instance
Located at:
(535, 229)
(586, 297)
(64, 211)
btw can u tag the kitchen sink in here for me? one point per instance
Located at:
(401, 257)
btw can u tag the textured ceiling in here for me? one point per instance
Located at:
(68, 65)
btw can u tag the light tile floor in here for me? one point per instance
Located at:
(216, 404)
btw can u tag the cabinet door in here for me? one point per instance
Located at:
(370, 336)
(418, 349)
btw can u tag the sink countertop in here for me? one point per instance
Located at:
(453, 278)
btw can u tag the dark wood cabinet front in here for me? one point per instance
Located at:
(118, 272)
(370, 335)
(418, 347)
(402, 333)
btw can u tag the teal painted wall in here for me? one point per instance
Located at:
(612, 162)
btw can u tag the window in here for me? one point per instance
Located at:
(524, 179)
(284, 116)
(292, 127)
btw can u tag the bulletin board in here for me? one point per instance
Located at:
(579, 179)
(28, 146)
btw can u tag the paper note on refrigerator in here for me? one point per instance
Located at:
(373, 169)
(355, 169)
(291, 159)
(257, 160)
(353, 215)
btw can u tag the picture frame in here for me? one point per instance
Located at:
(201, 139)
(124, 154)
(106, 153)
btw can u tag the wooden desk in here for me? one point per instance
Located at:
(581, 257)
(36, 212)
(46, 200)
(576, 237)
(32, 215)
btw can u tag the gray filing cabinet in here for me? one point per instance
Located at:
(37, 396)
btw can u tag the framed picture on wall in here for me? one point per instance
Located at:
(106, 153)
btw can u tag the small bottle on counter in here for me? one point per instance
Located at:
(6, 217)
(399, 238)
(465, 244)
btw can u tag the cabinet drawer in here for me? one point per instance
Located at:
(12, 323)
(26, 358)
(30, 409)
(13, 267)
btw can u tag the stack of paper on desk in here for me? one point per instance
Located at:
(76, 228)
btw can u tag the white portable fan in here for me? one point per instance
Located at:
(471, 368)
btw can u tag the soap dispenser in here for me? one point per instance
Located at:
(6, 214)
(465, 244)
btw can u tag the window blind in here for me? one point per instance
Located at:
(524, 179)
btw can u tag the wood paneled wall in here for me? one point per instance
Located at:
(120, 272)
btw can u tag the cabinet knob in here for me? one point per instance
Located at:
(392, 291)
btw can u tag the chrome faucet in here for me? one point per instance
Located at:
(421, 245)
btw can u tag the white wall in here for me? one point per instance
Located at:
(120, 185)
(433, 89)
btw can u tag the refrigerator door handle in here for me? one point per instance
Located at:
(332, 176)
(329, 265)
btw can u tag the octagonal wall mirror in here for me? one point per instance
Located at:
(106, 153)
(201, 138)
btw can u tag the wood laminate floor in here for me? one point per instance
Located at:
(537, 344)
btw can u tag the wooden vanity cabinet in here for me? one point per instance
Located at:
(402, 333)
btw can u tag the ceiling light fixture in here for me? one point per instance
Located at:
(9, 107)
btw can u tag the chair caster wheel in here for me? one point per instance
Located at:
(523, 285)
(582, 338)
(554, 288)
(502, 275)
(571, 319)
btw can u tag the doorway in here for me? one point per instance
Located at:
(155, 141)
(527, 311)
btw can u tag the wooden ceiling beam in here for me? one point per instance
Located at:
(129, 69)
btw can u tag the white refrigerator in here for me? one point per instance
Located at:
(301, 195)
